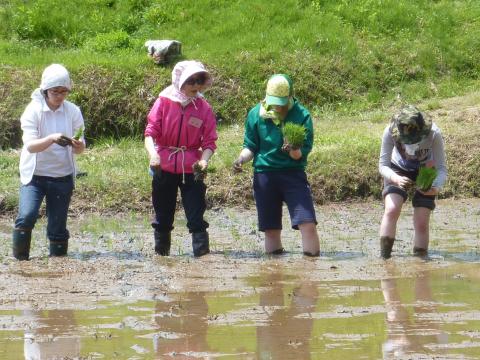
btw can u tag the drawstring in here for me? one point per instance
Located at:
(194, 105)
(176, 150)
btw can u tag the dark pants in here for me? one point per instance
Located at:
(165, 187)
(271, 189)
(58, 192)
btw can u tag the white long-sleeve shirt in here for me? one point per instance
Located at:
(39, 121)
(431, 148)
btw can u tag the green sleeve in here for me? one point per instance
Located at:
(250, 139)
(308, 144)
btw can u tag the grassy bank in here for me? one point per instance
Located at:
(345, 56)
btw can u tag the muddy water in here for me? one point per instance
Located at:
(113, 298)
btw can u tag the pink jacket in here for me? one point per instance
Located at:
(181, 134)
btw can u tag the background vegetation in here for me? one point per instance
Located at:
(353, 62)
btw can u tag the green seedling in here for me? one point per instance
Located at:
(78, 134)
(425, 178)
(294, 134)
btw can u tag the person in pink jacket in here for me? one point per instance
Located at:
(180, 139)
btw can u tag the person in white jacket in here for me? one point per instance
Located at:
(409, 142)
(47, 164)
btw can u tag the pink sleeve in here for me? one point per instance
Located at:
(154, 120)
(210, 131)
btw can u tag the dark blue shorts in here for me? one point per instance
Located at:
(271, 189)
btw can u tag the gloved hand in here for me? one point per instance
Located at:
(156, 171)
(286, 147)
(63, 141)
(237, 165)
(200, 170)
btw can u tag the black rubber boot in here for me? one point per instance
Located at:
(307, 253)
(420, 252)
(200, 243)
(386, 245)
(280, 251)
(163, 241)
(21, 243)
(58, 248)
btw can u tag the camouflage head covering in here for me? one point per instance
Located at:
(410, 125)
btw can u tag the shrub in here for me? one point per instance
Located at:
(110, 41)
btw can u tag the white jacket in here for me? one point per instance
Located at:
(32, 124)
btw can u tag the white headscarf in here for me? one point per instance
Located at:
(53, 76)
(180, 73)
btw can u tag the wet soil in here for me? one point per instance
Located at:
(112, 297)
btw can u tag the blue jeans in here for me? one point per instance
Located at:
(58, 192)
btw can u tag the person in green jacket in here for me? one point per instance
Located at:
(279, 165)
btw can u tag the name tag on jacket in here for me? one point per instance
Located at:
(196, 122)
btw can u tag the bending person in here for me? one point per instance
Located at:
(409, 142)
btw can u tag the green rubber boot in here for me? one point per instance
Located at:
(21, 243)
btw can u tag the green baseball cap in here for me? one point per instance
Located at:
(279, 90)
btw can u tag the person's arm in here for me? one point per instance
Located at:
(438, 150)
(245, 156)
(208, 141)
(78, 146)
(152, 152)
(31, 134)
(152, 131)
(385, 160)
(250, 142)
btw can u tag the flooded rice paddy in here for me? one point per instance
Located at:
(112, 298)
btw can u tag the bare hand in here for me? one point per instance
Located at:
(402, 181)
(295, 153)
(154, 161)
(77, 145)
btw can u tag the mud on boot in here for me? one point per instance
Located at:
(386, 245)
(58, 248)
(200, 243)
(21, 243)
(163, 241)
(420, 252)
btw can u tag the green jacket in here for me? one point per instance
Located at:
(265, 140)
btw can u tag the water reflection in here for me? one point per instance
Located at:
(408, 331)
(286, 334)
(49, 335)
(182, 325)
